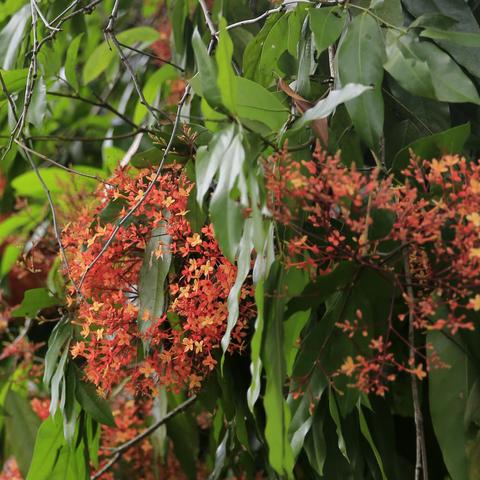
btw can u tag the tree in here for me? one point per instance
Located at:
(239, 239)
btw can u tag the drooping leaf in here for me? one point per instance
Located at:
(71, 59)
(262, 53)
(360, 60)
(419, 65)
(256, 103)
(35, 300)
(153, 275)
(151, 90)
(97, 407)
(14, 80)
(368, 436)
(256, 344)
(448, 393)
(226, 76)
(48, 442)
(327, 106)
(12, 36)
(102, 56)
(449, 141)
(459, 38)
(326, 24)
(209, 159)
(243, 269)
(21, 425)
(280, 453)
(207, 72)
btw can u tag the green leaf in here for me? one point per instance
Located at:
(34, 301)
(262, 53)
(97, 407)
(280, 453)
(15, 80)
(71, 61)
(360, 60)
(226, 76)
(463, 21)
(9, 258)
(390, 11)
(243, 269)
(21, 425)
(220, 458)
(302, 418)
(227, 216)
(417, 65)
(60, 336)
(366, 433)
(48, 442)
(449, 141)
(326, 24)
(383, 221)
(103, 55)
(12, 36)
(460, 38)
(53, 458)
(327, 106)
(57, 180)
(153, 276)
(334, 413)
(412, 73)
(293, 326)
(256, 344)
(207, 72)
(209, 159)
(448, 393)
(315, 442)
(254, 102)
(151, 90)
(24, 220)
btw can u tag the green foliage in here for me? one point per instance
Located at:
(376, 79)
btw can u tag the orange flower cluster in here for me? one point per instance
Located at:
(339, 214)
(183, 342)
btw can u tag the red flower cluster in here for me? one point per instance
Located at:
(338, 213)
(184, 340)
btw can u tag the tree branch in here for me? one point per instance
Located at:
(117, 453)
(421, 450)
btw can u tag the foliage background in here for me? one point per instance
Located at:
(93, 85)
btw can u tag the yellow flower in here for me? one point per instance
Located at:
(475, 253)
(348, 367)
(475, 302)
(194, 240)
(474, 218)
(439, 166)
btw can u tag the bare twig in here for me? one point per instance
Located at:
(63, 167)
(149, 188)
(110, 35)
(421, 450)
(151, 55)
(100, 104)
(208, 18)
(117, 453)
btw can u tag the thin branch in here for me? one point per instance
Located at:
(100, 104)
(208, 18)
(60, 138)
(421, 450)
(151, 55)
(53, 211)
(53, 162)
(118, 452)
(137, 205)
(110, 35)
